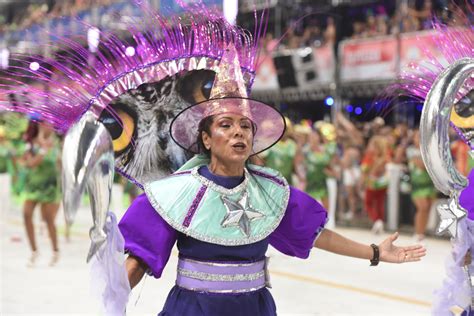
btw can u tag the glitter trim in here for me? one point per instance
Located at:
(214, 277)
(221, 264)
(239, 241)
(267, 176)
(220, 189)
(253, 289)
(128, 177)
(194, 206)
(180, 173)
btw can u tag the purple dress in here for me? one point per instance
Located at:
(150, 238)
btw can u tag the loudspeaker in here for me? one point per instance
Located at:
(285, 71)
(296, 68)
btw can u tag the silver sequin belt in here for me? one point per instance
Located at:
(222, 277)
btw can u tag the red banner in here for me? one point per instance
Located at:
(414, 48)
(368, 59)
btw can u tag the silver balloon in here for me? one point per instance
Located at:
(434, 127)
(88, 162)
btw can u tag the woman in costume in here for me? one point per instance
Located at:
(281, 156)
(223, 213)
(42, 185)
(317, 160)
(375, 180)
(423, 191)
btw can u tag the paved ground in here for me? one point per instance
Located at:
(324, 284)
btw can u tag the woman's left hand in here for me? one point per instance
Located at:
(391, 253)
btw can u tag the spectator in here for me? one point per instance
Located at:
(317, 160)
(358, 29)
(423, 191)
(281, 156)
(375, 180)
(463, 160)
(330, 32)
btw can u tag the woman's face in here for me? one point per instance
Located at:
(230, 139)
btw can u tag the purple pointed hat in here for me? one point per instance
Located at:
(229, 95)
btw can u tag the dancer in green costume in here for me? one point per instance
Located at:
(42, 184)
(281, 156)
(317, 160)
(423, 191)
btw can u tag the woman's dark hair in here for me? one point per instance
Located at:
(204, 126)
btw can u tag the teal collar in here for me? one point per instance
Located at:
(204, 210)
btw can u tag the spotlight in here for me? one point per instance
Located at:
(130, 51)
(349, 108)
(34, 66)
(93, 39)
(329, 101)
(358, 110)
(230, 8)
(4, 56)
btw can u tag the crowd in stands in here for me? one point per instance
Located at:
(18, 18)
(410, 16)
(315, 31)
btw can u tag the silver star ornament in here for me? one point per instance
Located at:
(240, 213)
(450, 214)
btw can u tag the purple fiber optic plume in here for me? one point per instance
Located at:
(453, 43)
(78, 80)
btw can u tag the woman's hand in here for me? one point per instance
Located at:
(391, 253)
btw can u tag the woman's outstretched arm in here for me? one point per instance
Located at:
(331, 241)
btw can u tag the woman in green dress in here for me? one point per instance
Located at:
(281, 156)
(41, 184)
(423, 191)
(317, 159)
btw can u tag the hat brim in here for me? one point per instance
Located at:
(270, 123)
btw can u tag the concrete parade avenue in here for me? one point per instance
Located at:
(324, 284)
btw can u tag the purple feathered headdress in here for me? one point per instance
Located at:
(453, 43)
(67, 85)
(135, 89)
